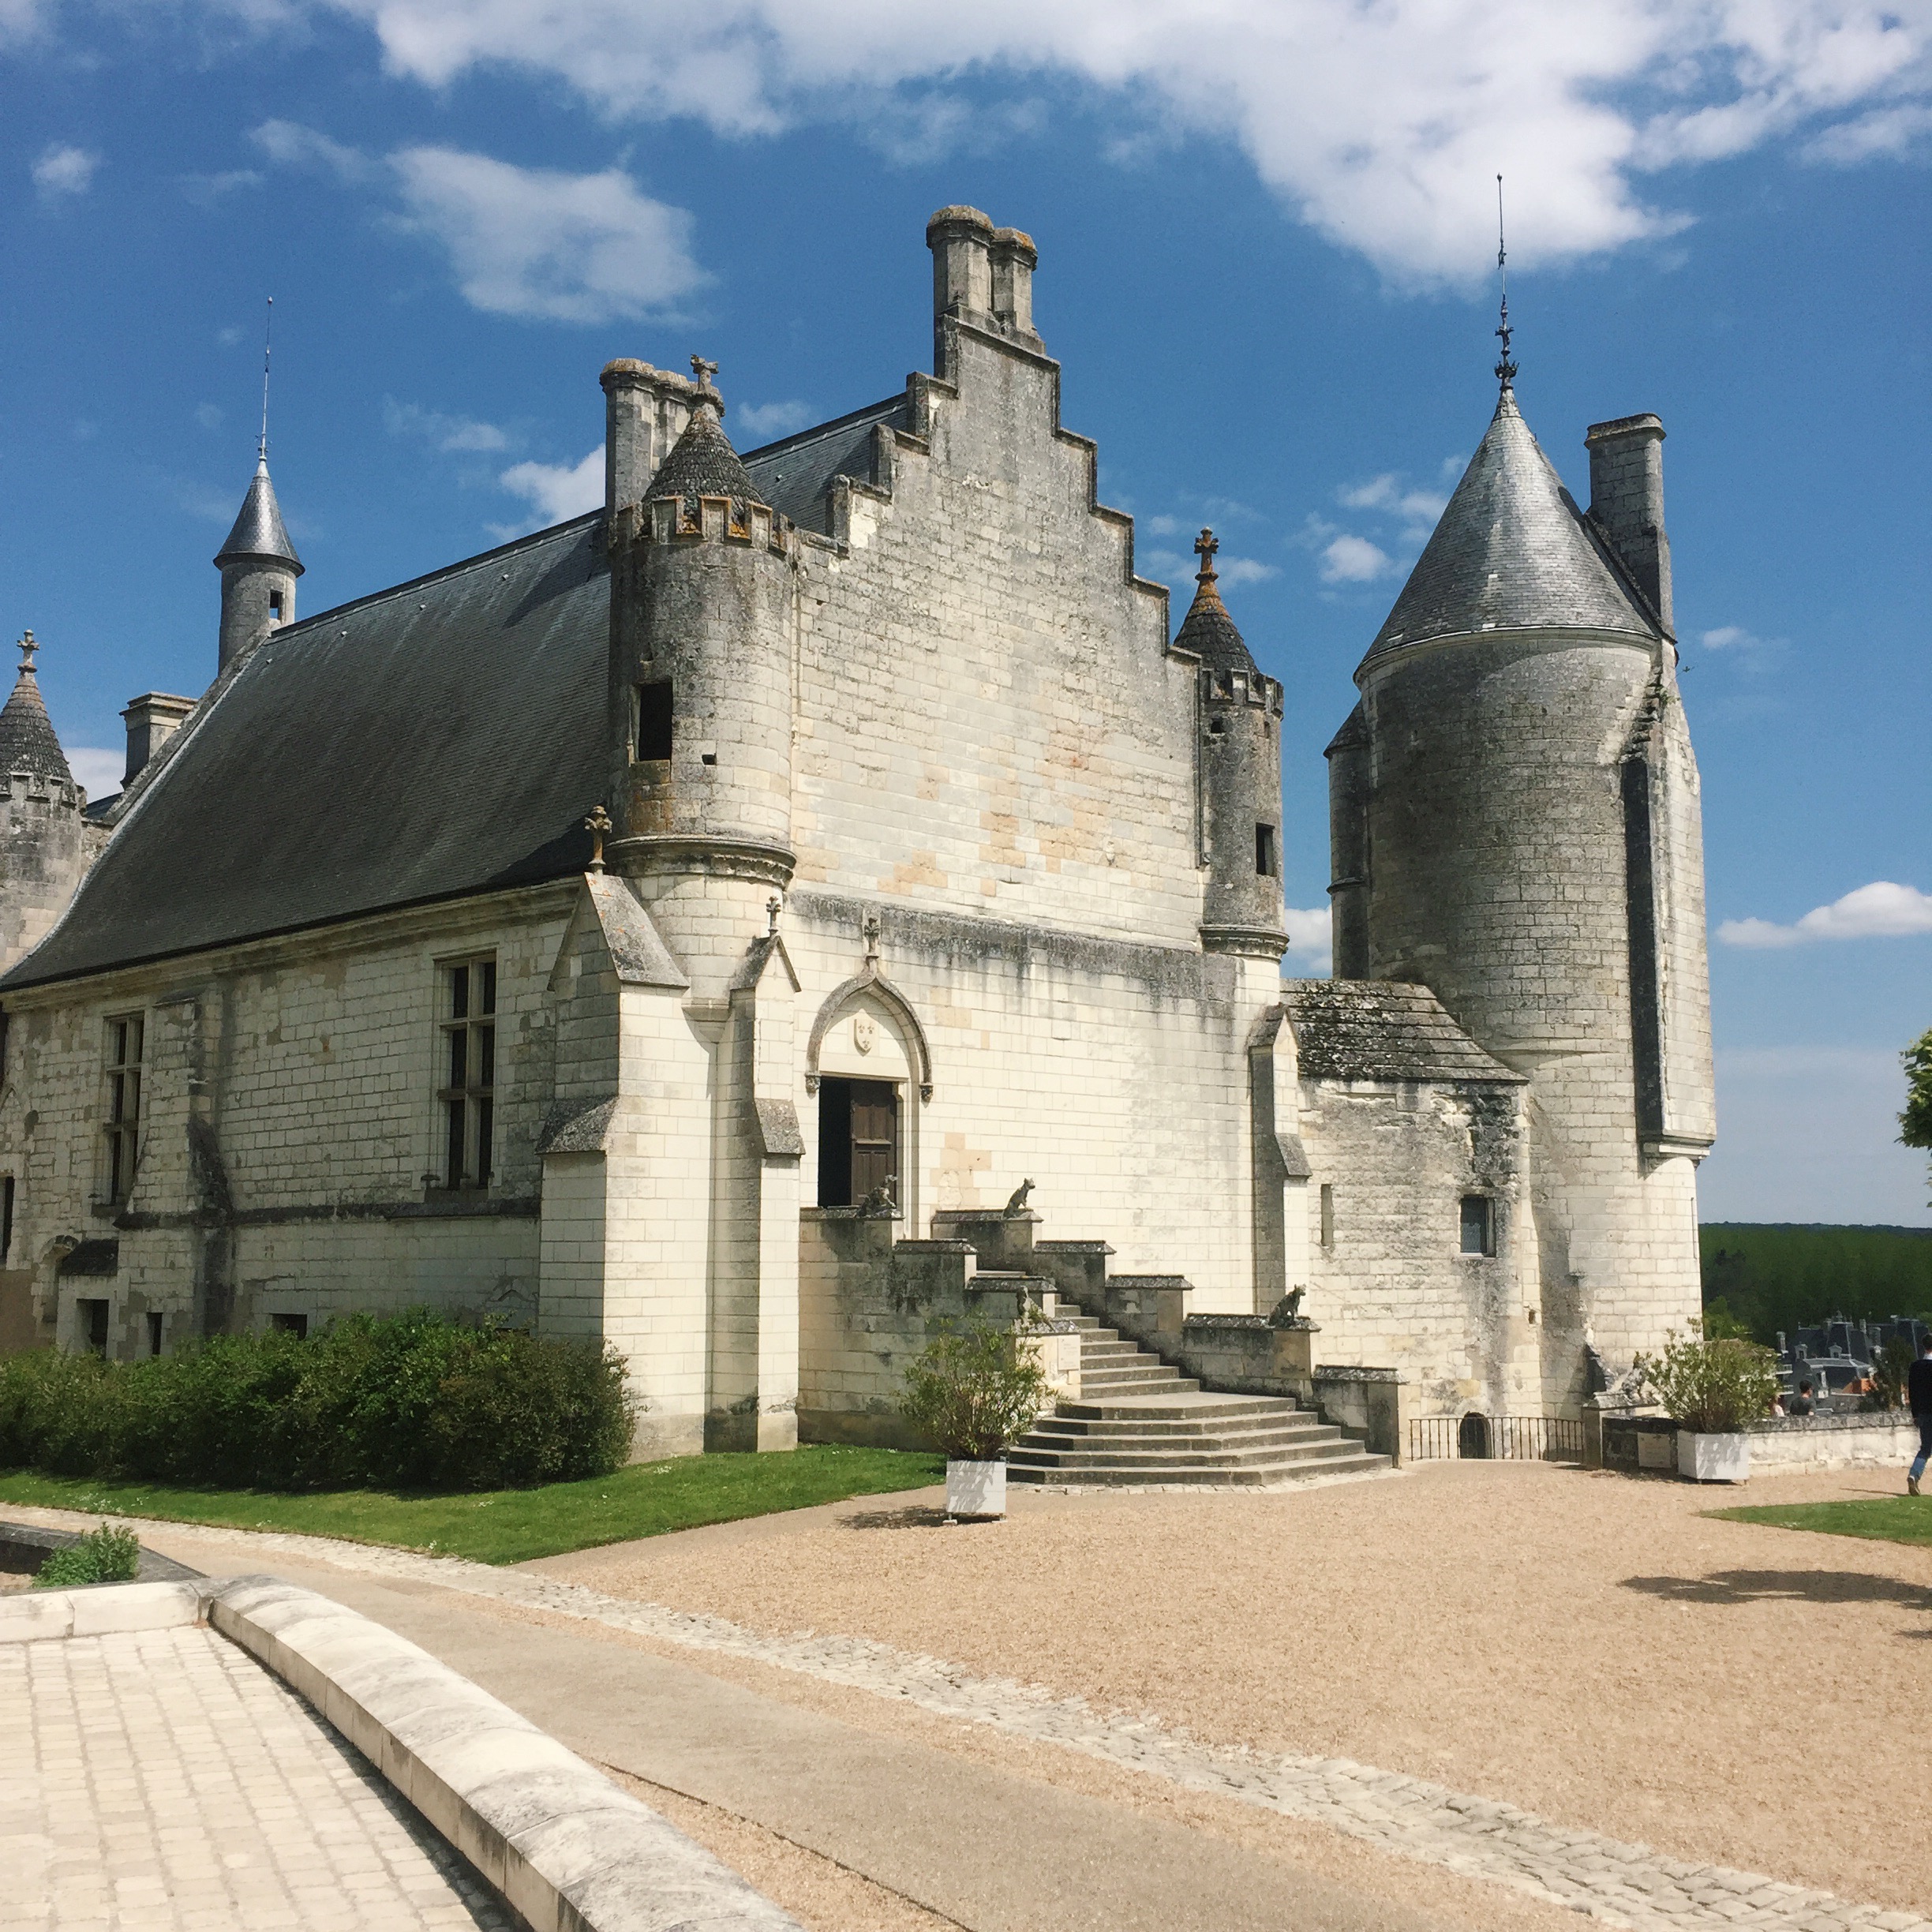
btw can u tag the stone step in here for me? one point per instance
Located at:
(1093, 1349)
(1121, 1382)
(1361, 1464)
(1233, 1432)
(1031, 1454)
(1186, 1405)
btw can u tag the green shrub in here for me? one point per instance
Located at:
(103, 1555)
(976, 1389)
(413, 1400)
(1714, 1388)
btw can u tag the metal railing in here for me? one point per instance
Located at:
(1477, 1437)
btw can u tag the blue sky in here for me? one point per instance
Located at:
(1266, 264)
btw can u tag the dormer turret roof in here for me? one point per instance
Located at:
(27, 740)
(703, 463)
(1512, 552)
(1208, 629)
(259, 530)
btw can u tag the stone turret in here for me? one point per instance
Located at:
(259, 567)
(1240, 714)
(1515, 825)
(46, 848)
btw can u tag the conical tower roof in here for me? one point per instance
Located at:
(1208, 629)
(259, 530)
(27, 742)
(1512, 552)
(703, 463)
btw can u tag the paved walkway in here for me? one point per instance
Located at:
(826, 1786)
(162, 1781)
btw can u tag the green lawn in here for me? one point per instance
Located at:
(512, 1525)
(1887, 1519)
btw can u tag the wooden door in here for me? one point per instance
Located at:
(874, 1137)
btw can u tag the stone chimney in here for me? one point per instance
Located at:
(961, 241)
(1014, 258)
(151, 720)
(1627, 501)
(645, 412)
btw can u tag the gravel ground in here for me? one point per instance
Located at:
(1587, 1645)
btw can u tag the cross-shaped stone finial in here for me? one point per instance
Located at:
(871, 939)
(28, 647)
(702, 371)
(597, 824)
(773, 906)
(1205, 546)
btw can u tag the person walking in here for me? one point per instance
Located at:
(1918, 1394)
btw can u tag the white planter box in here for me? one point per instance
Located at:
(975, 1489)
(1713, 1458)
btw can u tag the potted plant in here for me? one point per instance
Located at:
(1712, 1390)
(975, 1390)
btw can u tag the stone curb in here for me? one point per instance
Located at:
(568, 1850)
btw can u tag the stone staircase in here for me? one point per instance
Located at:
(1139, 1423)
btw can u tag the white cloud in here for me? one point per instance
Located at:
(771, 420)
(553, 247)
(1881, 910)
(63, 170)
(1234, 570)
(558, 491)
(1310, 932)
(533, 243)
(96, 769)
(206, 190)
(1354, 560)
(452, 435)
(1735, 638)
(1387, 493)
(288, 143)
(1382, 126)
(1889, 133)
(1162, 526)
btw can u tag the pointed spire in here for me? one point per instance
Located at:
(27, 740)
(1207, 630)
(702, 462)
(1511, 553)
(259, 530)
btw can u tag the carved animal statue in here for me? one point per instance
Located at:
(1017, 1200)
(880, 1200)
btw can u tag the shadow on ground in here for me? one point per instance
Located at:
(1820, 1586)
(912, 1516)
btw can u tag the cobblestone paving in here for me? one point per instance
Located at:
(1617, 1883)
(163, 1781)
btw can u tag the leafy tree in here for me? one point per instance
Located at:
(1915, 1122)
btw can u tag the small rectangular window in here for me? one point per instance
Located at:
(295, 1325)
(124, 1103)
(1265, 851)
(653, 721)
(6, 1218)
(94, 1326)
(1478, 1225)
(1327, 1216)
(154, 1334)
(275, 605)
(468, 1095)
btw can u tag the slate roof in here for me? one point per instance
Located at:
(1511, 552)
(27, 740)
(1209, 632)
(793, 475)
(259, 531)
(1381, 1030)
(443, 738)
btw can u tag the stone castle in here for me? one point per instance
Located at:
(689, 926)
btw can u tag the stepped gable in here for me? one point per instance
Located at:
(441, 739)
(1381, 1030)
(27, 740)
(1512, 552)
(797, 475)
(1208, 629)
(703, 463)
(259, 530)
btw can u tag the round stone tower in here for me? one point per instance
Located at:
(1516, 827)
(45, 850)
(701, 677)
(259, 567)
(1241, 715)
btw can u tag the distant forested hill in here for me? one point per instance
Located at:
(1776, 1274)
